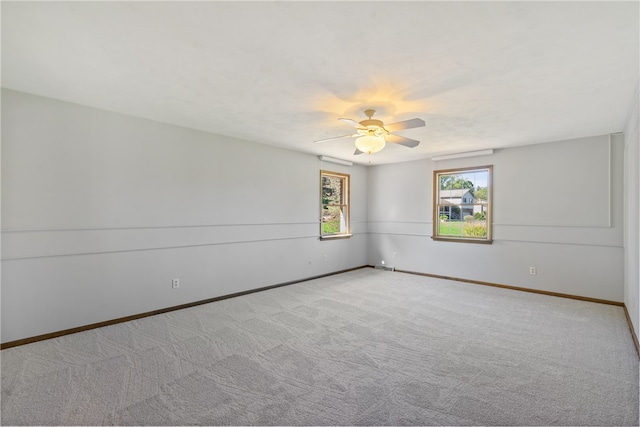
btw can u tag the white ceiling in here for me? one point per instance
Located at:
(481, 74)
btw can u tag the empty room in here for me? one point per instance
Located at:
(320, 213)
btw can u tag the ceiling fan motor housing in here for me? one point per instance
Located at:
(373, 127)
(371, 122)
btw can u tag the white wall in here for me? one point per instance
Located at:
(557, 206)
(632, 215)
(101, 210)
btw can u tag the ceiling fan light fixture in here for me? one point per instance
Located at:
(372, 134)
(370, 144)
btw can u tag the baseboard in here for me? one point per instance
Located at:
(516, 288)
(537, 291)
(161, 311)
(631, 328)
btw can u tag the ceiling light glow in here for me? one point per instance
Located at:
(370, 143)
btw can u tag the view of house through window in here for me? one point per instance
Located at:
(462, 204)
(334, 212)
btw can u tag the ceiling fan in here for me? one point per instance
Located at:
(372, 134)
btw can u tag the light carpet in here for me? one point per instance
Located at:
(366, 347)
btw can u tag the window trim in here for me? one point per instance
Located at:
(346, 197)
(436, 214)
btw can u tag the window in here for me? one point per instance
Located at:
(334, 205)
(462, 206)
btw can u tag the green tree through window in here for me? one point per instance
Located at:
(334, 212)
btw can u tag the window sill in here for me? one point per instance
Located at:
(336, 236)
(462, 240)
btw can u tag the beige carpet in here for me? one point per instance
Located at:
(366, 347)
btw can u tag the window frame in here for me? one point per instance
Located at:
(346, 199)
(436, 205)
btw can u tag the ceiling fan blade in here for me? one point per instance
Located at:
(407, 124)
(407, 142)
(351, 122)
(336, 137)
(355, 153)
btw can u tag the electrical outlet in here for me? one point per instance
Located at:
(394, 254)
(326, 258)
(532, 270)
(175, 283)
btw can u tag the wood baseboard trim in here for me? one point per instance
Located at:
(632, 330)
(57, 334)
(516, 288)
